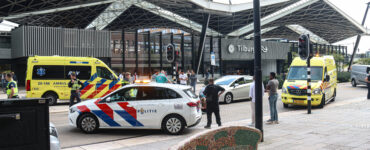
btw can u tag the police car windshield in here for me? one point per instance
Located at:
(300, 73)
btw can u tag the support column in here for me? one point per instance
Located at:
(201, 41)
(174, 62)
(149, 55)
(332, 49)
(182, 53)
(136, 51)
(220, 56)
(123, 50)
(210, 52)
(160, 51)
(193, 58)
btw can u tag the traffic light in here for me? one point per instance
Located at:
(304, 49)
(170, 51)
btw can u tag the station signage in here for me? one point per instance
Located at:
(244, 48)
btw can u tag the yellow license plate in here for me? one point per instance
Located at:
(299, 101)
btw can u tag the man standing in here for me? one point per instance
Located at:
(126, 79)
(193, 80)
(121, 76)
(271, 88)
(253, 103)
(75, 86)
(12, 87)
(161, 78)
(183, 78)
(368, 83)
(212, 93)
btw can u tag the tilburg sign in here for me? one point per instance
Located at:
(244, 48)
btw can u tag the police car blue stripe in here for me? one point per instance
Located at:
(106, 118)
(131, 120)
(102, 81)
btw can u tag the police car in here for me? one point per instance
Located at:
(163, 106)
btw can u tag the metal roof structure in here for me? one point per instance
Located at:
(279, 18)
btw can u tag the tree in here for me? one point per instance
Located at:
(363, 61)
(339, 59)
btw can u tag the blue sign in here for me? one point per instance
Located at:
(41, 71)
(213, 59)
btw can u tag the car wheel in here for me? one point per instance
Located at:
(353, 82)
(173, 124)
(322, 102)
(53, 98)
(286, 105)
(228, 98)
(88, 123)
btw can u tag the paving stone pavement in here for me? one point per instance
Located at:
(340, 125)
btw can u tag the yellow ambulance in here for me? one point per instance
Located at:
(323, 82)
(48, 77)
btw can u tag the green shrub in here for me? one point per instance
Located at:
(343, 77)
(265, 80)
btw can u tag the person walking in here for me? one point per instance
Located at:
(212, 93)
(271, 88)
(193, 80)
(253, 102)
(183, 78)
(75, 85)
(12, 87)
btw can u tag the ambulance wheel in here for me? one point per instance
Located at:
(286, 105)
(53, 98)
(354, 84)
(88, 123)
(173, 124)
(228, 98)
(322, 102)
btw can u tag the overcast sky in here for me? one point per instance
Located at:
(354, 8)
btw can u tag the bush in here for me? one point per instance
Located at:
(278, 77)
(363, 61)
(343, 77)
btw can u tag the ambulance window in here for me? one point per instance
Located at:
(48, 72)
(104, 73)
(83, 72)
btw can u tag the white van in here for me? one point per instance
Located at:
(358, 74)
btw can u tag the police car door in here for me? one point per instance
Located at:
(152, 106)
(124, 105)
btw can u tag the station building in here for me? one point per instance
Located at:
(132, 35)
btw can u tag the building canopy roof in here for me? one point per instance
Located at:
(279, 18)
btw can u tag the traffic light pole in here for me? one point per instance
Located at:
(309, 84)
(257, 65)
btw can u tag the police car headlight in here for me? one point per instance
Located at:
(73, 109)
(316, 91)
(284, 90)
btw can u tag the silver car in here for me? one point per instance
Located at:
(236, 87)
(358, 74)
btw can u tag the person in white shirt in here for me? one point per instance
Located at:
(122, 75)
(253, 102)
(183, 78)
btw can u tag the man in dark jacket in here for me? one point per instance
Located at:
(212, 93)
(75, 85)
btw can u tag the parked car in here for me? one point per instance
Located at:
(54, 140)
(236, 87)
(169, 107)
(358, 74)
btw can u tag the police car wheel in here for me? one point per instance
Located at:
(52, 98)
(228, 98)
(173, 125)
(88, 123)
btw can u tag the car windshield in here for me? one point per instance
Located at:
(225, 80)
(190, 93)
(300, 73)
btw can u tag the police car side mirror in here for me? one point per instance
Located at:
(236, 85)
(108, 100)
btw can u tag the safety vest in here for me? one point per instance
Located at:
(125, 82)
(75, 85)
(9, 90)
(133, 93)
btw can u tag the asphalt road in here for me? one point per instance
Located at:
(239, 110)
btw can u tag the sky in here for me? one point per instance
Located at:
(353, 8)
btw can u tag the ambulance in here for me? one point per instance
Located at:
(323, 82)
(48, 77)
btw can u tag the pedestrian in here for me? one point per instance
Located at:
(207, 74)
(368, 84)
(12, 87)
(155, 75)
(271, 88)
(126, 79)
(14, 77)
(122, 75)
(188, 73)
(212, 93)
(193, 80)
(183, 78)
(161, 78)
(75, 85)
(253, 102)
(178, 76)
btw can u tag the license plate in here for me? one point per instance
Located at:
(298, 101)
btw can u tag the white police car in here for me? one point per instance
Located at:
(163, 106)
